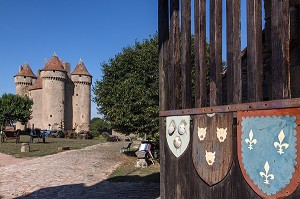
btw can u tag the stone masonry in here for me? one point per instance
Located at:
(61, 100)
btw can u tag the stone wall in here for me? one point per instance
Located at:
(81, 102)
(53, 99)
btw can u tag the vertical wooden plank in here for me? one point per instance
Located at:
(200, 53)
(215, 52)
(234, 73)
(174, 54)
(163, 37)
(186, 53)
(280, 35)
(254, 51)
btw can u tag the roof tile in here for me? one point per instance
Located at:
(54, 64)
(38, 84)
(25, 70)
(80, 69)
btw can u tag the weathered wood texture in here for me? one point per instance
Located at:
(179, 177)
(215, 52)
(254, 51)
(275, 104)
(212, 146)
(200, 53)
(163, 37)
(186, 54)
(174, 54)
(234, 70)
(280, 49)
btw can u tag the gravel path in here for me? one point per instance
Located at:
(72, 174)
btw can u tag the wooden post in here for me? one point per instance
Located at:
(234, 71)
(200, 53)
(186, 54)
(163, 40)
(174, 55)
(254, 51)
(215, 52)
(280, 49)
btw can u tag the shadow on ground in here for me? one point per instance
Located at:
(129, 187)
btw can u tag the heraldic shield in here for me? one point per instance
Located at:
(267, 150)
(178, 134)
(212, 146)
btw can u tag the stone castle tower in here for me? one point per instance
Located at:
(61, 100)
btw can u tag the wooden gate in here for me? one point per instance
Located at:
(265, 76)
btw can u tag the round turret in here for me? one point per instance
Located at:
(53, 93)
(82, 97)
(24, 79)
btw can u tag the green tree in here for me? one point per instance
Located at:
(98, 124)
(127, 95)
(14, 108)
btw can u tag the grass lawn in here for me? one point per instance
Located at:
(40, 149)
(127, 172)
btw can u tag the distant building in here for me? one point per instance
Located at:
(61, 100)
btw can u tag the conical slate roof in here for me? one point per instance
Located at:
(80, 69)
(54, 64)
(25, 70)
(38, 84)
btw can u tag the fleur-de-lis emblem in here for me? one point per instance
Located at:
(250, 141)
(266, 175)
(281, 145)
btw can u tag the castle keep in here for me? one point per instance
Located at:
(61, 100)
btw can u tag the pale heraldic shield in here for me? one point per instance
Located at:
(267, 149)
(178, 134)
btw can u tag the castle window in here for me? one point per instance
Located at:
(82, 116)
(79, 75)
(77, 94)
(54, 71)
(50, 115)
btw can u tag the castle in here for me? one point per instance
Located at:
(61, 100)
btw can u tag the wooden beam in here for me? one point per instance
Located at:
(200, 53)
(186, 54)
(280, 35)
(163, 40)
(254, 51)
(174, 55)
(215, 52)
(234, 73)
(264, 105)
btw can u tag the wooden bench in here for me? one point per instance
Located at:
(11, 135)
(126, 147)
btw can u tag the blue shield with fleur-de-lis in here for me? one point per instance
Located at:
(267, 150)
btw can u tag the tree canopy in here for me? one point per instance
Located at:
(14, 108)
(98, 124)
(127, 95)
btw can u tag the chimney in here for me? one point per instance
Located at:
(67, 67)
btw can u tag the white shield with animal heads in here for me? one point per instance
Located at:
(178, 134)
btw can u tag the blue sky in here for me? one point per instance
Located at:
(93, 30)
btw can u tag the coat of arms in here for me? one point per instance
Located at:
(267, 150)
(178, 134)
(212, 146)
